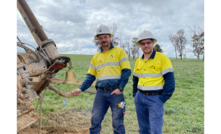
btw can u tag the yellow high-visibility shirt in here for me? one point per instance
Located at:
(109, 64)
(150, 72)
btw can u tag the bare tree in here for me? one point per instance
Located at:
(122, 45)
(127, 44)
(113, 30)
(96, 42)
(181, 42)
(184, 54)
(135, 47)
(173, 41)
(133, 50)
(197, 35)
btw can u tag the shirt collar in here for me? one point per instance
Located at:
(112, 46)
(152, 55)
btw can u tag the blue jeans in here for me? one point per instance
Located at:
(102, 101)
(150, 111)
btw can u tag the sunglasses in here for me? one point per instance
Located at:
(148, 43)
(105, 37)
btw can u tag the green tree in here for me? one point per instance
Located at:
(158, 48)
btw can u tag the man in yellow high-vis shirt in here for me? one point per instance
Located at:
(153, 85)
(112, 69)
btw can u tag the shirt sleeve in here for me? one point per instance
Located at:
(124, 62)
(89, 79)
(125, 67)
(169, 85)
(166, 66)
(92, 68)
(135, 80)
(124, 77)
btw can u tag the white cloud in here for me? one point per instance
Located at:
(73, 23)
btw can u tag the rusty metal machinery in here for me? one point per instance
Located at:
(36, 70)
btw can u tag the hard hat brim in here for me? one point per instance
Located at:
(138, 42)
(95, 37)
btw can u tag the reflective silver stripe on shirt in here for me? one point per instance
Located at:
(154, 74)
(109, 77)
(146, 88)
(123, 59)
(149, 75)
(108, 64)
(93, 66)
(135, 74)
(167, 70)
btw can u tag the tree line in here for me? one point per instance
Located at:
(178, 41)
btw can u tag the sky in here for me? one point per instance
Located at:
(72, 24)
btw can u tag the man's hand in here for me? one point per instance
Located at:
(76, 92)
(116, 91)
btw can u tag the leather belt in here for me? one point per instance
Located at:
(147, 93)
(106, 88)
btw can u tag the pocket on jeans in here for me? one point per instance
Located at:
(121, 108)
(123, 111)
(119, 96)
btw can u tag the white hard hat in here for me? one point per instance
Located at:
(102, 29)
(145, 35)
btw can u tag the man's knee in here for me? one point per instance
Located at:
(118, 121)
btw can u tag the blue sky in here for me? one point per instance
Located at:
(72, 23)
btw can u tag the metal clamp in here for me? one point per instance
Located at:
(45, 43)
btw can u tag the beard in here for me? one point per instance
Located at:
(147, 52)
(105, 44)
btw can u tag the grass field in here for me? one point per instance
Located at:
(184, 111)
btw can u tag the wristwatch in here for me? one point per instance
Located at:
(121, 89)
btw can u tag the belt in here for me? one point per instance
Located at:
(106, 88)
(147, 93)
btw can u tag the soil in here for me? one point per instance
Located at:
(67, 122)
(53, 131)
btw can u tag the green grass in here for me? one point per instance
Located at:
(184, 111)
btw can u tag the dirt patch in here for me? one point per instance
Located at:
(67, 122)
(51, 131)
